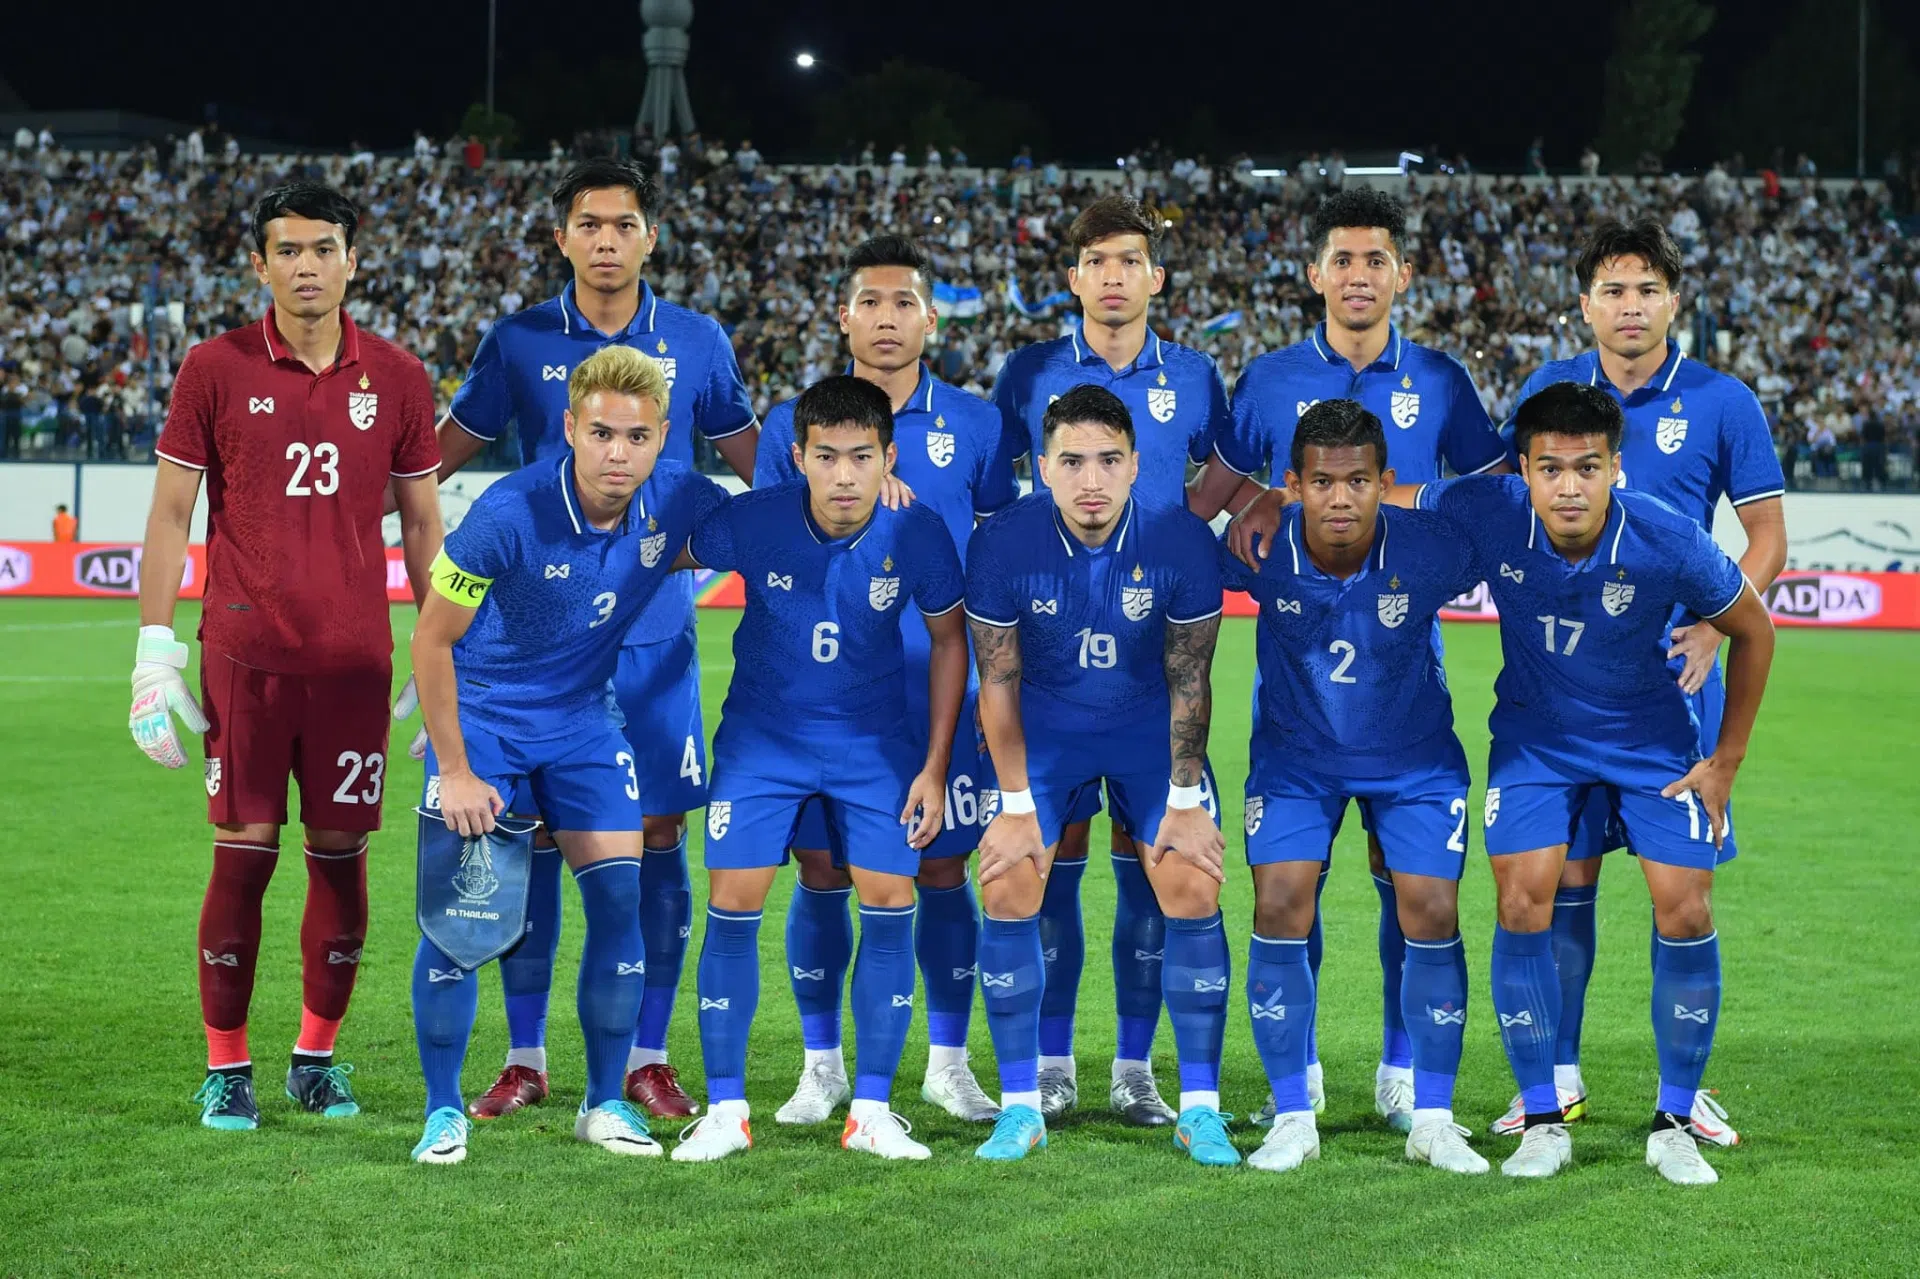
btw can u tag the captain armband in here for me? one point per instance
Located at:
(455, 583)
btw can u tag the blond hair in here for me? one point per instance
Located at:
(618, 370)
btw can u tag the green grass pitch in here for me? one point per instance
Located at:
(103, 1169)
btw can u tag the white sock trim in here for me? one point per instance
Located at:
(638, 1057)
(531, 1058)
(941, 1056)
(1422, 1116)
(1008, 1100)
(1188, 1100)
(1121, 1065)
(866, 1111)
(1061, 1063)
(728, 1110)
(835, 1057)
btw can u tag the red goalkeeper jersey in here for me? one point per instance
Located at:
(297, 465)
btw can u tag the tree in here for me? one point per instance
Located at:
(1802, 94)
(914, 106)
(1649, 78)
(497, 130)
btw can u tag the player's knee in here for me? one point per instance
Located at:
(1689, 915)
(738, 891)
(333, 841)
(818, 872)
(664, 831)
(1013, 896)
(1193, 895)
(942, 872)
(265, 834)
(1282, 914)
(1524, 909)
(884, 892)
(1427, 912)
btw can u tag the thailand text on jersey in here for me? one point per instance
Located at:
(1174, 394)
(1424, 398)
(519, 376)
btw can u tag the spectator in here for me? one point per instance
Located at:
(196, 148)
(1537, 157)
(1589, 162)
(669, 162)
(473, 154)
(1873, 451)
(23, 140)
(746, 160)
(422, 147)
(65, 527)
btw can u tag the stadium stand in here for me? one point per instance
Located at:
(112, 265)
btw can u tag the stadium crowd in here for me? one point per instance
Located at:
(111, 266)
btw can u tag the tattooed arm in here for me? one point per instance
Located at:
(1188, 829)
(1189, 663)
(997, 653)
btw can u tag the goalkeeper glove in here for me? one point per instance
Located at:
(403, 708)
(159, 694)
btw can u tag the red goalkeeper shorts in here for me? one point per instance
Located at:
(326, 732)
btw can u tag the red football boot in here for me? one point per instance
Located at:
(517, 1086)
(655, 1088)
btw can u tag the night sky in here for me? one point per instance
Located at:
(1482, 77)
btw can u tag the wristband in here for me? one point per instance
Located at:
(1017, 802)
(1185, 796)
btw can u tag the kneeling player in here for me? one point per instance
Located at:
(1094, 618)
(512, 655)
(817, 710)
(1354, 705)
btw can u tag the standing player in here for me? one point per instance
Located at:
(299, 422)
(1354, 705)
(818, 711)
(1359, 239)
(604, 222)
(1693, 435)
(948, 451)
(1178, 401)
(1094, 613)
(531, 598)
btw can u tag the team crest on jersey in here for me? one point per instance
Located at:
(1393, 607)
(361, 406)
(719, 817)
(475, 881)
(883, 591)
(1256, 810)
(1615, 596)
(940, 446)
(1670, 433)
(213, 777)
(669, 366)
(1136, 601)
(651, 548)
(1405, 408)
(1161, 402)
(1493, 805)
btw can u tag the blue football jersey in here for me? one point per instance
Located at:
(1175, 395)
(556, 595)
(1584, 645)
(820, 639)
(1092, 621)
(1693, 434)
(1424, 398)
(1349, 679)
(949, 455)
(519, 375)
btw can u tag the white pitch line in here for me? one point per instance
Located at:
(62, 679)
(20, 627)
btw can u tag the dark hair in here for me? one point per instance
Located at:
(1643, 238)
(1337, 424)
(1568, 408)
(843, 401)
(314, 200)
(60, 509)
(890, 250)
(1086, 404)
(600, 175)
(1363, 207)
(1115, 215)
